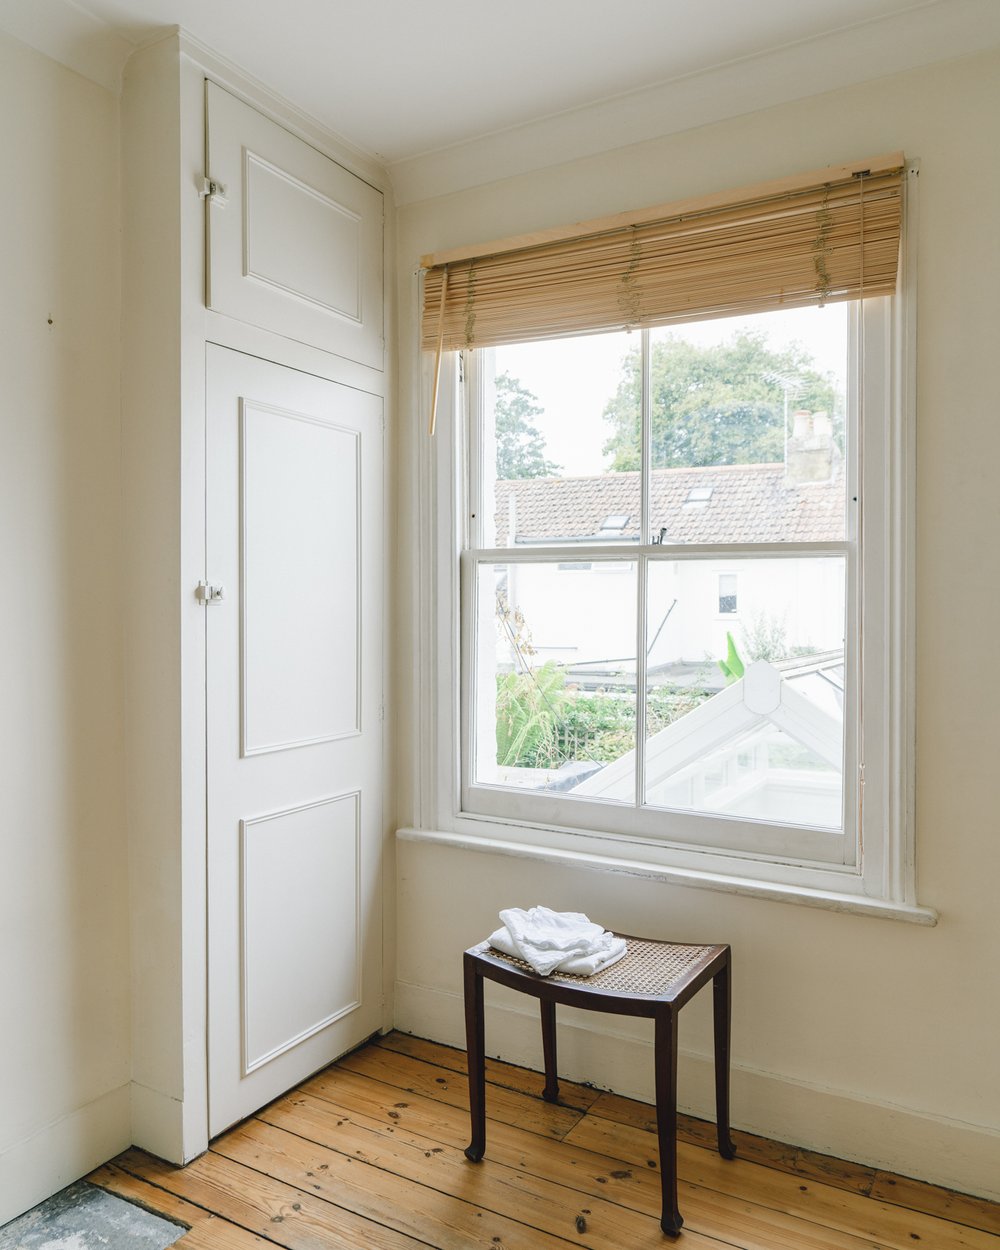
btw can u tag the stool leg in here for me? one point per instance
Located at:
(665, 1063)
(475, 1041)
(551, 1091)
(721, 993)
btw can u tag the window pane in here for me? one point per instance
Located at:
(748, 421)
(555, 673)
(748, 721)
(765, 775)
(745, 717)
(546, 432)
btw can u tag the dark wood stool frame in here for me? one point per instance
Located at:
(712, 964)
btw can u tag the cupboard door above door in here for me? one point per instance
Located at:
(294, 239)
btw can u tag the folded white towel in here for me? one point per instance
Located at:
(587, 965)
(577, 965)
(543, 937)
(547, 939)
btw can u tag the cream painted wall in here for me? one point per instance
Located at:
(64, 1040)
(871, 1038)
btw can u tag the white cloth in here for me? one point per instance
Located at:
(550, 940)
(576, 965)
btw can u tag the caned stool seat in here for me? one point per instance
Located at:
(654, 979)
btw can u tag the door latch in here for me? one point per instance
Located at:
(214, 191)
(206, 593)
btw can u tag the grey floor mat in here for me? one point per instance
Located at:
(84, 1217)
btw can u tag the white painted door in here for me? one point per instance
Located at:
(293, 521)
(294, 239)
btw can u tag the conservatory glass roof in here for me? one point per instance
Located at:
(770, 746)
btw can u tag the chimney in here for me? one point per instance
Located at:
(809, 449)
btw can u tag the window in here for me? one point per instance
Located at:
(727, 594)
(734, 693)
(648, 703)
(615, 524)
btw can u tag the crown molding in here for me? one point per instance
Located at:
(938, 30)
(943, 30)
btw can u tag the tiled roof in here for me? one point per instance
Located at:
(745, 503)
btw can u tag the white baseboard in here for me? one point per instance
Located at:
(166, 1127)
(944, 1152)
(63, 1151)
(157, 1123)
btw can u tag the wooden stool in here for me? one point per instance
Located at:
(654, 979)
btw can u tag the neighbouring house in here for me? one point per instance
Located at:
(573, 612)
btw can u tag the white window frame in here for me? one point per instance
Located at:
(746, 839)
(881, 878)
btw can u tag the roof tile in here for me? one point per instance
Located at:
(748, 503)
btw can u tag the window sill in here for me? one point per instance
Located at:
(829, 900)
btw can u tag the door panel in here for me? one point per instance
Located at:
(301, 530)
(293, 534)
(300, 911)
(319, 263)
(294, 239)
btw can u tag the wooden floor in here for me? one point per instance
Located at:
(368, 1154)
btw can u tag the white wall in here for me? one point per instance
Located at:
(581, 615)
(870, 1038)
(64, 1038)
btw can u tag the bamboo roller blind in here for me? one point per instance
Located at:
(828, 236)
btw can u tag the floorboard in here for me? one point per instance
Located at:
(368, 1155)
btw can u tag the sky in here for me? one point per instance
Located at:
(573, 379)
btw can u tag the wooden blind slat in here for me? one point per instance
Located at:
(814, 244)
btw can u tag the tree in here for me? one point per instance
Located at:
(723, 404)
(520, 446)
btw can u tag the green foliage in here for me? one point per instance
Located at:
(732, 665)
(765, 638)
(528, 710)
(666, 704)
(723, 404)
(597, 726)
(520, 447)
